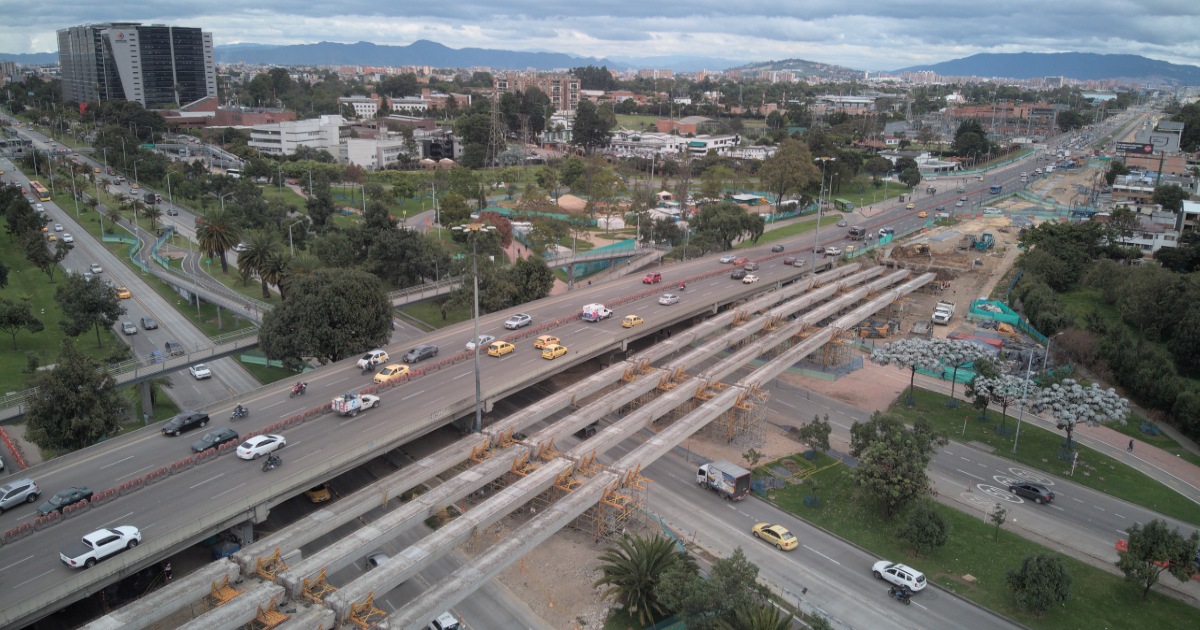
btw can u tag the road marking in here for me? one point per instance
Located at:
(461, 375)
(412, 394)
(136, 472)
(206, 481)
(1120, 515)
(34, 578)
(116, 462)
(121, 518)
(823, 555)
(9, 566)
(969, 474)
(1099, 508)
(274, 404)
(228, 491)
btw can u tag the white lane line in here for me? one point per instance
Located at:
(1120, 515)
(136, 472)
(1099, 508)
(116, 462)
(122, 518)
(34, 578)
(274, 404)
(9, 566)
(461, 375)
(300, 459)
(229, 490)
(969, 474)
(823, 555)
(207, 481)
(417, 393)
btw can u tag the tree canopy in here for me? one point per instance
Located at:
(77, 403)
(87, 304)
(892, 459)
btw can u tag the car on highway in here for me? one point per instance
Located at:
(15, 493)
(148, 323)
(240, 247)
(777, 248)
(500, 348)
(963, 199)
(899, 574)
(668, 299)
(740, 260)
(789, 260)
(421, 352)
(444, 621)
(631, 320)
(200, 371)
(842, 223)
(483, 341)
(172, 212)
(128, 328)
(173, 348)
(260, 445)
(800, 262)
(737, 274)
(520, 320)
(993, 211)
(959, 203)
(1035, 492)
(833, 251)
(67, 238)
(52, 238)
(911, 206)
(63, 498)
(653, 277)
(750, 266)
(922, 214)
(545, 340)
(213, 439)
(376, 559)
(185, 421)
(96, 268)
(725, 260)
(392, 372)
(373, 358)
(124, 293)
(553, 351)
(100, 544)
(777, 535)
(58, 227)
(319, 494)
(750, 279)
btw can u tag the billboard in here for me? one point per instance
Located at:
(1135, 148)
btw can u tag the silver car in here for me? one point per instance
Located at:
(668, 298)
(17, 492)
(517, 321)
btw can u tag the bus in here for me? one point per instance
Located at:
(40, 190)
(995, 189)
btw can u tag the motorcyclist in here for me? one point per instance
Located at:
(273, 461)
(239, 410)
(682, 286)
(299, 387)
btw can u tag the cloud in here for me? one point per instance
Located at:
(869, 35)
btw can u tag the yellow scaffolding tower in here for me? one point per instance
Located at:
(267, 567)
(365, 615)
(315, 589)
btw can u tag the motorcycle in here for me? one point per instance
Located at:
(273, 461)
(901, 593)
(298, 390)
(369, 368)
(239, 412)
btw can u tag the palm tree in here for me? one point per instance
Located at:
(217, 235)
(631, 569)
(261, 247)
(301, 266)
(153, 215)
(275, 270)
(114, 215)
(765, 616)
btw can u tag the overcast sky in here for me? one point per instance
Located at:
(871, 35)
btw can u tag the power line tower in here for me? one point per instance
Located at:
(496, 144)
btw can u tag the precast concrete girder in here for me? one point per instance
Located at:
(238, 611)
(147, 611)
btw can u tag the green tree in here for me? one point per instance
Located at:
(1042, 581)
(547, 179)
(329, 315)
(1070, 119)
(1170, 196)
(404, 258)
(631, 569)
(924, 528)
(593, 126)
(724, 222)
(877, 166)
(531, 278)
(892, 459)
(454, 210)
(816, 433)
(714, 181)
(910, 177)
(87, 304)
(77, 404)
(765, 616)
(707, 603)
(998, 514)
(217, 235)
(261, 247)
(18, 316)
(789, 170)
(1115, 169)
(1155, 548)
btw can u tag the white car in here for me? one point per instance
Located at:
(958, 204)
(899, 574)
(993, 211)
(833, 251)
(668, 299)
(96, 268)
(67, 238)
(517, 321)
(260, 445)
(725, 260)
(58, 227)
(369, 401)
(38, 206)
(750, 279)
(100, 544)
(484, 340)
(200, 371)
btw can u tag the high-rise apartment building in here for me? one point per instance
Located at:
(153, 65)
(563, 89)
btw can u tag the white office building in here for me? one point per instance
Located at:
(327, 133)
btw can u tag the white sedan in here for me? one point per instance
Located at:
(58, 227)
(67, 238)
(668, 299)
(200, 371)
(260, 445)
(369, 401)
(725, 260)
(484, 340)
(750, 279)
(96, 268)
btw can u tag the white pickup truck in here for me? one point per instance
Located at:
(595, 313)
(942, 313)
(99, 545)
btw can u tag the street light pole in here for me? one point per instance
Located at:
(817, 233)
(1024, 391)
(291, 245)
(169, 195)
(475, 229)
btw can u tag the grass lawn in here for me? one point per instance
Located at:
(1099, 599)
(430, 312)
(636, 121)
(1079, 302)
(1038, 449)
(796, 227)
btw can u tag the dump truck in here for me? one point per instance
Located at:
(595, 312)
(726, 478)
(942, 313)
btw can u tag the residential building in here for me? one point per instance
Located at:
(429, 100)
(151, 65)
(326, 133)
(563, 89)
(363, 106)
(1152, 233)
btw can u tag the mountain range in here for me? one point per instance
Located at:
(1079, 66)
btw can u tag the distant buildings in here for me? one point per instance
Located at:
(152, 65)
(563, 89)
(325, 133)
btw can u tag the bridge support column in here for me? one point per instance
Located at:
(147, 403)
(244, 531)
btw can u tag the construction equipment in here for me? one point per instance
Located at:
(985, 241)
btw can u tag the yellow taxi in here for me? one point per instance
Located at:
(95, 169)
(319, 494)
(500, 348)
(979, 179)
(777, 535)
(124, 293)
(53, 238)
(545, 340)
(45, 228)
(922, 214)
(911, 206)
(630, 321)
(850, 249)
(393, 372)
(553, 351)
(133, 187)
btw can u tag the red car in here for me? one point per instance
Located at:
(652, 278)
(740, 260)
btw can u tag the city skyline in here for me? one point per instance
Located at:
(873, 36)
